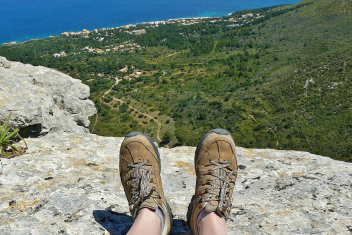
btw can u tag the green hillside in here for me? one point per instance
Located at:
(276, 77)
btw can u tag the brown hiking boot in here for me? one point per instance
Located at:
(140, 176)
(216, 168)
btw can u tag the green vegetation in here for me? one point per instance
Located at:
(279, 77)
(7, 133)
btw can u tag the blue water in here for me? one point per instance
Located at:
(23, 20)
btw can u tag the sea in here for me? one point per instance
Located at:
(23, 20)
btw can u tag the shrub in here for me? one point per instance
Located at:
(167, 137)
(6, 144)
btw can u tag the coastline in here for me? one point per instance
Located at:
(22, 36)
(139, 23)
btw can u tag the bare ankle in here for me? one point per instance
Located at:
(212, 224)
(147, 222)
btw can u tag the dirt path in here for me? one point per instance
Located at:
(155, 120)
(214, 47)
(131, 107)
(106, 92)
(172, 54)
(95, 123)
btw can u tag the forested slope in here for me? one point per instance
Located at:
(276, 77)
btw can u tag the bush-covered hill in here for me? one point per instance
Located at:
(276, 77)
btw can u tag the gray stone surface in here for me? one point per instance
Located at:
(4, 63)
(69, 184)
(43, 100)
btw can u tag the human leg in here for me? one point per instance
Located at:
(140, 177)
(147, 222)
(212, 224)
(216, 169)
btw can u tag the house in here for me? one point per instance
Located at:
(233, 25)
(127, 26)
(139, 32)
(247, 15)
(73, 33)
(99, 51)
(85, 32)
(61, 54)
(124, 70)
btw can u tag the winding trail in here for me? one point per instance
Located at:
(131, 107)
(155, 120)
(214, 47)
(105, 93)
(95, 123)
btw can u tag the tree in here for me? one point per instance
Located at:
(166, 138)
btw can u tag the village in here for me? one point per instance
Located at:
(127, 46)
(246, 18)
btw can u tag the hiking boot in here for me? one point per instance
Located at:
(216, 168)
(140, 176)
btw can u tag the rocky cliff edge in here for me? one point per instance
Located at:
(43, 100)
(69, 184)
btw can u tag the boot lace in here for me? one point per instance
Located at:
(220, 192)
(140, 186)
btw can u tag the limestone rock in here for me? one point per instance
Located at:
(43, 100)
(4, 63)
(70, 184)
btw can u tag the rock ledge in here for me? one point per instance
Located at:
(69, 184)
(43, 100)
